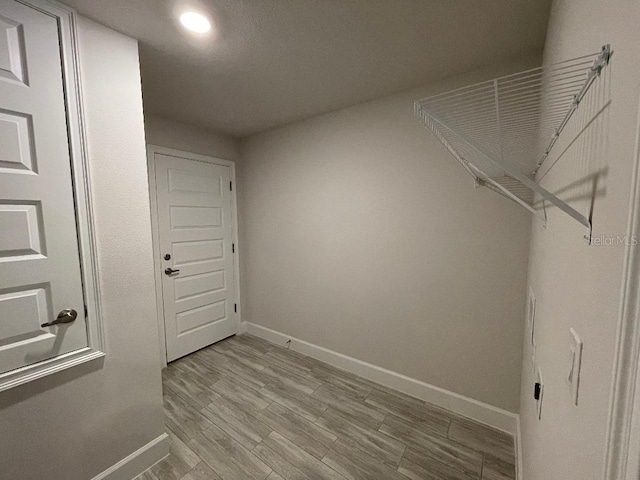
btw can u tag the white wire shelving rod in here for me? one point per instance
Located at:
(500, 125)
(504, 190)
(513, 172)
(599, 63)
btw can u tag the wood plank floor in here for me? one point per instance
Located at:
(247, 409)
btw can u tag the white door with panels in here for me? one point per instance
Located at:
(195, 230)
(42, 312)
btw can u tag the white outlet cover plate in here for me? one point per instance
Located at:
(575, 348)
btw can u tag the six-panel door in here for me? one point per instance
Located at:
(195, 231)
(39, 258)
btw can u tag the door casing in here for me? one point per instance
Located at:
(622, 452)
(152, 150)
(67, 28)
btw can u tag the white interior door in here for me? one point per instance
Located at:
(195, 224)
(39, 258)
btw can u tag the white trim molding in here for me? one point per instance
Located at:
(67, 30)
(621, 463)
(519, 450)
(456, 403)
(155, 233)
(133, 465)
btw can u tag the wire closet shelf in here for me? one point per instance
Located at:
(502, 130)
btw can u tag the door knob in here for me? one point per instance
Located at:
(171, 271)
(67, 315)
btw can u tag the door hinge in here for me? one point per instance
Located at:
(86, 312)
(235, 307)
(231, 186)
(233, 248)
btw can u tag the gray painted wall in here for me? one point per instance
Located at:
(577, 285)
(77, 423)
(360, 234)
(188, 138)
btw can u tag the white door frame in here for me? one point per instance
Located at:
(67, 29)
(151, 152)
(622, 455)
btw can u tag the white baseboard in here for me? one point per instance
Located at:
(518, 438)
(242, 328)
(465, 406)
(133, 465)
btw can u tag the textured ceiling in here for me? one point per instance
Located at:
(271, 62)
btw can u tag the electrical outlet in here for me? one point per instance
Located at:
(538, 393)
(531, 316)
(575, 351)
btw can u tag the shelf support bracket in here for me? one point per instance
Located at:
(492, 128)
(515, 173)
(484, 179)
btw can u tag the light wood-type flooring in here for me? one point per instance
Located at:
(247, 409)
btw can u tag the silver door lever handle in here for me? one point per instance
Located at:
(67, 315)
(171, 271)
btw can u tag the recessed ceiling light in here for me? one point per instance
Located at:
(195, 22)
